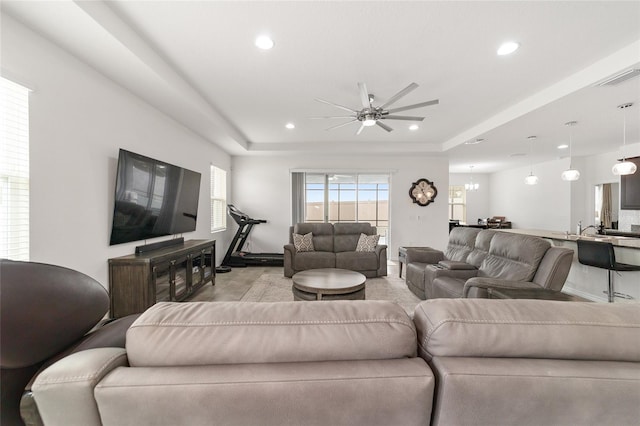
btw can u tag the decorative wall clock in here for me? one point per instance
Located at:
(423, 192)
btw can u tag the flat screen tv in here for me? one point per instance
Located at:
(153, 199)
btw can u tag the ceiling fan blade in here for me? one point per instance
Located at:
(420, 105)
(402, 117)
(336, 105)
(364, 95)
(384, 126)
(332, 116)
(341, 124)
(362, 126)
(399, 95)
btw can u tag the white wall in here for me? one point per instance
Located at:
(262, 188)
(546, 205)
(553, 204)
(477, 203)
(78, 121)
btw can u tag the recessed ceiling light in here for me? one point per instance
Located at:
(290, 126)
(518, 154)
(264, 42)
(563, 146)
(414, 127)
(508, 48)
(474, 142)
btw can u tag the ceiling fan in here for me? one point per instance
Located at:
(371, 115)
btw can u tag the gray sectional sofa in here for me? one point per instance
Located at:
(457, 362)
(476, 260)
(335, 247)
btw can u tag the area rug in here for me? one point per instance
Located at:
(277, 288)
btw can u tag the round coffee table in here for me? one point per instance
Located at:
(328, 284)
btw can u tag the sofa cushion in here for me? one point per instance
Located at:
(481, 247)
(322, 234)
(346, 235)
(367, 243)
(528, 329)
(461, 242)
(303, 242)
(314, 260)
(357, 260)
(205, 333)
(513, 257)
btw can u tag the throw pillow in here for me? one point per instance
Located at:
(303, 242)
(367, 242)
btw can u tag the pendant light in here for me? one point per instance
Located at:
(471, 186)
(624, 167)
(570, 174)
(531, 179)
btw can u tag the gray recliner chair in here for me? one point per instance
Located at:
(47, 312)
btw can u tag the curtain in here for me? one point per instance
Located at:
(297, 197)
(605, 211)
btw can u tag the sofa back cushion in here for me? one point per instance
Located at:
(513, 257)
(346, 235)
(461, 241)
(480, 248)
(322, 234)
(205, 333)
(521, 328)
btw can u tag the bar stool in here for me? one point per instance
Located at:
(601, 255)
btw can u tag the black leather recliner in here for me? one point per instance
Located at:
(47, 312)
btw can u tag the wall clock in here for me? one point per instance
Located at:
(423, 192)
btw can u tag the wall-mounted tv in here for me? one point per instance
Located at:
(153, 199)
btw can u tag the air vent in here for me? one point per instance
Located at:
(619, 78)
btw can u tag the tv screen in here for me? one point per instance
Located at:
(153, 199)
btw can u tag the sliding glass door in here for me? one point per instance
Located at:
(348, 197)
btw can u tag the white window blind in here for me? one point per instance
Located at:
(14, 171)
(218, 199)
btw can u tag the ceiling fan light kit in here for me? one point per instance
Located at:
(624, 167)
(370, 115)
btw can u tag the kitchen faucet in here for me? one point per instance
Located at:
(581, 229)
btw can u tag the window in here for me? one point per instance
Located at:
(349, 197)
(218, 199)
(457, 203)
(14, 171)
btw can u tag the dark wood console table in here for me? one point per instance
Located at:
(174, 273)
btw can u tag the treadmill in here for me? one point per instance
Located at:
(235, 257)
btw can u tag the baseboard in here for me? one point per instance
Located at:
(588, 296)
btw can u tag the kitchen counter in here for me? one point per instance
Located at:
(617, 241)
(590, 282)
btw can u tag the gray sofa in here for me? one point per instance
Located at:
(458, 362)
(334, 247)
(476, 260)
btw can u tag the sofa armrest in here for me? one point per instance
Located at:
(289, 254)
(381, 252)
(424, 255)
(477, 287)
(64, 391)
(455, 265)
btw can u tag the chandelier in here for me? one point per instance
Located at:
(471, 186)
